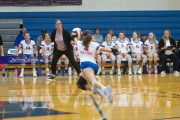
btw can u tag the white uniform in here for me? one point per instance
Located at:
(47, 47)
(76, 50)
(28, 48)
(106, 45)
(122, 45)
(137, 46)
(151, 46)
(87, 53)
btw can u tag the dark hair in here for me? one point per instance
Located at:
(86, 32)
(96, 29)
(86, 40)
(112, 31)
(43, 31)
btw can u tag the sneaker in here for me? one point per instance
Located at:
(47, 74)
(98, 91)
(119, 72)
(112, 72)
(130, 72)
(99, 71)
(155, 70)
(140, 71)
(108, 91)
(103, 72)
(149, 70)
(21, 75)
(135, 69)
(66, 72)
(163, 73)
(51, 78)
(34, 73)
(59, 72)
(176, 73)
(75, 73)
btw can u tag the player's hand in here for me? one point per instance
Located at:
(72, 43)
(2, 54)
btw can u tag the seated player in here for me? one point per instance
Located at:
(47, 50)
(64, 59)
(105, 55)
(137, 52)
(151, 49)
(123, 46)
(28, 46)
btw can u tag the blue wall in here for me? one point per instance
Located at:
(143, 21)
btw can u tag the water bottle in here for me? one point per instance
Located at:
(167, 68)
(16, 72)
(69, 71)
(3, 72)
(171, 68)
(19, 72)
(39, 72)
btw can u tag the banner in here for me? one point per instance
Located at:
(10, 2)
(67, 2)
(36, 2)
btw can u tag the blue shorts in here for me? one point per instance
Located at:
(85, 65)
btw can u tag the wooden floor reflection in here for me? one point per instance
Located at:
(136, 97)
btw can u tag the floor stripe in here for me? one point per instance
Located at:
(98, 108)
(168, 118)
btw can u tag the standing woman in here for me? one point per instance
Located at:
(62, 45)
(151, 49)
(168, 53)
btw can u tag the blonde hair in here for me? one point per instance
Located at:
(164, 39)
(58, 20)
(154, 38)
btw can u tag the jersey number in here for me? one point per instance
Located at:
(47, 48)
(86, 48)
(122, 45)
(151, 47)
(137, 46)
(27, 47)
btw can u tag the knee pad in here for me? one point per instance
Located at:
(144, 60)
(138, 58)
(46, 60)
(118, 60)
(113, 58)
(81, 84)
(33, 61)
(104, 59)
(66, 61)
(59, 62)
(130, 60)
(150, 59)
(99, 59)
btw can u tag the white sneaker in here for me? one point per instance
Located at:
(163, 73)
(103, 71)
(34, 73)
(21, 75)
(98, 91)
(135, 69)
(119, 72)
(47, 74)
(108, 91)
(176, 73)
(111, 72)
(140, 71)
(130, 72)
(99, 71)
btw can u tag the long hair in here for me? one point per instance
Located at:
(86, 40)
(154, 39)
(164, 39)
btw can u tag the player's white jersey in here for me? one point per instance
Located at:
(87, 53)
(107, 45)
(27, 48)
(47, 47)
(122, 45)
(137, 46)
(151, 46)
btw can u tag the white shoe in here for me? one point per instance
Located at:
(99, 71)
(103, 71)
(130, 72)
(47, 74)
(34, 73)
(163, 73)
(140, 71)
(176, 73)
(111, 72)
(135, 69)
(119, 72)
(21, 75)
(108, 91)
(75, 73)
(98, 91)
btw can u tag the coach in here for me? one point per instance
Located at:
(62, 45)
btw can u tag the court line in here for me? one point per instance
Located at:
(98, 108)
(168, 118)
